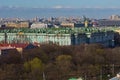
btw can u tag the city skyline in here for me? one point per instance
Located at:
(60, 3)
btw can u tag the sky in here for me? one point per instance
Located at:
(61, 3)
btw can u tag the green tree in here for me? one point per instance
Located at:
(64, 64)
(34, 68)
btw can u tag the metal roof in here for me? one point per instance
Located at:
(56, 30)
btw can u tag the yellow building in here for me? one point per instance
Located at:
(24, 24)
(67, 24)
(86, 23)
(17, 24)
(11, 24)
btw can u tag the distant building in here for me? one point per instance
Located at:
(78, 25)
(108, 23)
(23, 24)
(114, 17)
(67, 24)
(94, 23)
(2, 26)
(39, 25)
(17, 24)
(36, 19)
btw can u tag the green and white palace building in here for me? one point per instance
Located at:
(60, 36)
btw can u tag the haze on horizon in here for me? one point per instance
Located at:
(61, 3)
(32, 8)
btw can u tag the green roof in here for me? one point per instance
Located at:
(72, 79)
(56, 30)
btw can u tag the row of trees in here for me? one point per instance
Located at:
(53, 62)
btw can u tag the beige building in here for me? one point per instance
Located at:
(67, 24)
(24, 24)
(115, 17)
(17, 24)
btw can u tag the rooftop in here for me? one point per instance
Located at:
(56, 30)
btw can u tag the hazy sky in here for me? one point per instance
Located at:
(61, 3)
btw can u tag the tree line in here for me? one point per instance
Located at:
(53, 62)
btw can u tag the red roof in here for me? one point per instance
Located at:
(19, 45)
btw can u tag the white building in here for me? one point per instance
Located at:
(115, 17)
(39, 25)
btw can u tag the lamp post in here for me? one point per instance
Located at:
(101, 73)
(44, 76)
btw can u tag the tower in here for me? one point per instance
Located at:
(86, 23)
